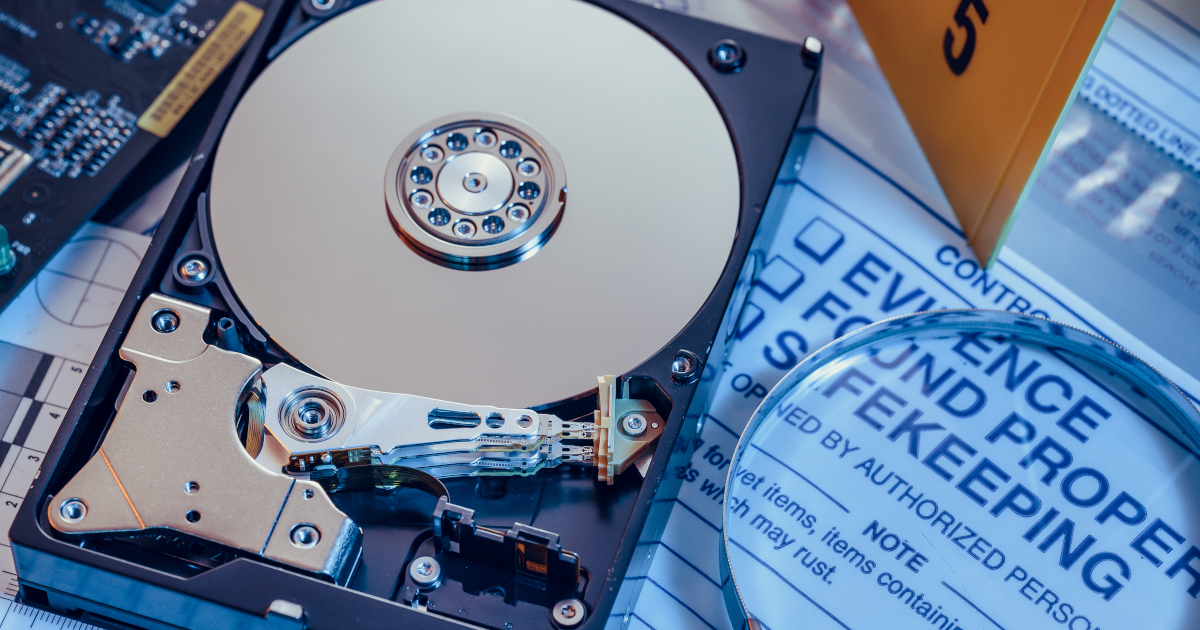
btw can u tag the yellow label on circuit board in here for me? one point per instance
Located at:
(218, 49)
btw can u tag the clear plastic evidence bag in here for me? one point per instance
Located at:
(966, 470)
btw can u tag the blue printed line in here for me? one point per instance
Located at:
(785, 581)
(687, 562)
(689, 508)
(689, 608)
(1158, 38)
(632, 615)
(1031, 283)
(881, 237)
(1134, 96)
(1127, 404)
(708, 417)
(725, 427)
(1016, 273)
(1057, 354)
(1155, 71)
(780, 462)
(922, 267)
(924, 206)
(1055, 299)
(1171, 16)
(972, 605)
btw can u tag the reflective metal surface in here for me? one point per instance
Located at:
(147, 474)
(493, 162)
(302, 227)
(865, 470)
(475, 195)
(442, 438)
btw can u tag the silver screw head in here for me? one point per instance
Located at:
(305, 536)
(425, 572)
(727, 56)
(634, 424)
(475, 182)
(432, 154)
(193, 269)
(681, 365)
(568, 613)
(464, 229)
(421, 199)
(486, 138)
(165, 321)
(73, 510)
(518, 212)
(529, 167)
(813, 48)
(686, 367)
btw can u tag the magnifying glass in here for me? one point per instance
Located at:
(966, 470)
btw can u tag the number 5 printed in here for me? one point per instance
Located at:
(958, 65)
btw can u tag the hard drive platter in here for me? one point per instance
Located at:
(648, 222)
(429, 325)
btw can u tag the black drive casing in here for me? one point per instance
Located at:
(763, 103)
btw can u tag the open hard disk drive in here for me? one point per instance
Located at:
(427, 328)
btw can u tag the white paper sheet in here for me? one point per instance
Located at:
(866, 200)
(48, 336)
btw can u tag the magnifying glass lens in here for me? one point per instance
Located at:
(966, 469)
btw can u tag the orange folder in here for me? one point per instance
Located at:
(985, 85)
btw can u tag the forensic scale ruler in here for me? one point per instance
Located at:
(48, 334)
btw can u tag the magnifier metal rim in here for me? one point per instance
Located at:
(1116, 357)
(483, 256)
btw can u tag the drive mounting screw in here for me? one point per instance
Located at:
(425, 572)
(433, 153)
(727, 56)
(685, 368)
(165, 321)
(193, 269)
(518, 212)
(305, 536)
(528, 167)
(568, 613)
(634, 424)
(682, 365)
(73, 510)
(486, 138)
(813, 50)
(464, 229)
